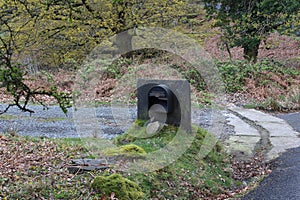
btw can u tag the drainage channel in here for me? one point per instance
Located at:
(264, 145)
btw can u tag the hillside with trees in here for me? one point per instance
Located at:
(46, 44)
(46, 36)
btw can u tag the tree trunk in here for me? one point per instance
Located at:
(251, 51)
(228, 51)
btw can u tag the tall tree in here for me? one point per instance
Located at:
(18, 20)
(99, 19)
(55, 31)
(246, 23)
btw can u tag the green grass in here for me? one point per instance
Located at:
(52, 119)
(39, 119)
(189, 177)
(7, 117)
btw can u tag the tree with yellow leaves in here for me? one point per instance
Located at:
(52, 32)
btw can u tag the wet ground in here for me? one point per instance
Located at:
(53, 123)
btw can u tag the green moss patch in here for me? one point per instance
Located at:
(190, 176)
(130, 150)
(122, 187)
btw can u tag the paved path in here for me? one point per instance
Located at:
(293, 119)
(284, 181)
(257, 131)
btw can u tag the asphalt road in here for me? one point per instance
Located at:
(293, 119)
(284, 181)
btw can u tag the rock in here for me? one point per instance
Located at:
(81, 165)
(154, 127)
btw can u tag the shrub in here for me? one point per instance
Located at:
(235, 73)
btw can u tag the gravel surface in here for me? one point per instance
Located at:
(53, 123)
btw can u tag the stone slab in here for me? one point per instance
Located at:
(255, 115)
(275, 126)
(81, 165)
(281, 144)
(281, 129)
(244, 144)
(241, 128)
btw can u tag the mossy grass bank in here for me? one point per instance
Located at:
(40, 169)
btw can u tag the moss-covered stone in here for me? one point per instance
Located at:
(130, 150)
(122, 187)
